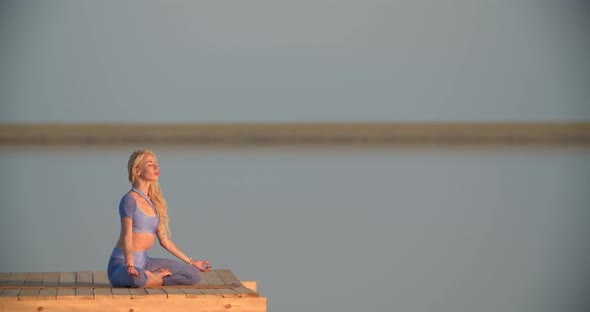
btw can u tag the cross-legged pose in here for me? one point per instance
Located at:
(144, 216)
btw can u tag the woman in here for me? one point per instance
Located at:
(143, 217)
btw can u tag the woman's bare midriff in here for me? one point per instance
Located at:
(141, 241)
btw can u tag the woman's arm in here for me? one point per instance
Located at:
(167, 244)
(126, 225)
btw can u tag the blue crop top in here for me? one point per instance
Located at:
(142, 223)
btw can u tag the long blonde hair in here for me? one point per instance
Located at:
(154, 193)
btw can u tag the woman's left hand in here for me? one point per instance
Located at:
(204, 266)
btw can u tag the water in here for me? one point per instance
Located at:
(327, 229)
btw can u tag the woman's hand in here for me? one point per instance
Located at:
(204, 266)
(132, 271)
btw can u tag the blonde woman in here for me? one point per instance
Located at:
(144, 217)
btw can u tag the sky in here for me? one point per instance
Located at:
(293, 61)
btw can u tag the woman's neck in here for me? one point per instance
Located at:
(143, 187)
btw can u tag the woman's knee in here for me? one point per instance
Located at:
(195, 275)
(189, 276)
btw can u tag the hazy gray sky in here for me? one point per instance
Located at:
(307, 60)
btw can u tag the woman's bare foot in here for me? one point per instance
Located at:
(156, 278)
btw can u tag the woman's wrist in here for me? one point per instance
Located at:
(190, 260)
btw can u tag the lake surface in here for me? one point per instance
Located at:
(327, 229)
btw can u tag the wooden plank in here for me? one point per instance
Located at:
(103, 293)
(28, 294)
(100, 279)
(34, 278)
(193, 292)
(84, 278)
(121, 293)
(67, 279)
(175, 293)
(18, 278)
(50, 279)
(182, 305)
(199, 286)
(66, 294)
(246, 292)
(4, 277)
(156, 293)
(211, 278)
(251, 284)
(84, 294)
(223, 293)
(228, 277)
(138, 293)
(9, 294)
(47, 294)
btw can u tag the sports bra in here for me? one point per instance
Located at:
(142, 223)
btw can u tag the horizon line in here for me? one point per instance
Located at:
(299, 133)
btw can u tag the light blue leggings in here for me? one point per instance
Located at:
(182, 273)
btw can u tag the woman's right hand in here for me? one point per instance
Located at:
(132, 271)
(203, 266)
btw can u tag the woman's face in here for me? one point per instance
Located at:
(148, 169)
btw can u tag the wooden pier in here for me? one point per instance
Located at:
(219, 290)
